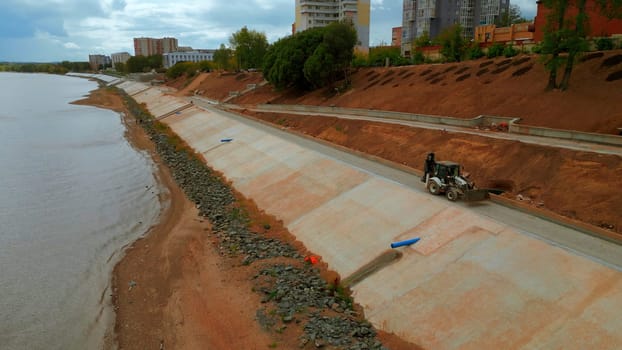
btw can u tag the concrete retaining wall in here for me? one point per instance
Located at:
(470, 283)
(483, 120)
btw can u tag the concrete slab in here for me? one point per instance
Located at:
(132, 87)
(159, 103)
(472, 282)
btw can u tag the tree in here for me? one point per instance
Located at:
(554, 32)
(575, 42)
(512, 16)
(120, 67)
(452, 43)
(222, 57)
(378, 56)
(562, 34)
(285, 59)
(143, 64)
(422, 40)
(250, 48)
(332, 58)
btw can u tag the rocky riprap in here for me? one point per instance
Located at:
(290, 293)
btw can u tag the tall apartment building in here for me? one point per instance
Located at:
(99, 61)
(433, 16)
(152, 46)
(319, 13)
(119, 57)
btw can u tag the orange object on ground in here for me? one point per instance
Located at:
(311, 259)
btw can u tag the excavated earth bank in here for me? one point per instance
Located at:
(582, 186)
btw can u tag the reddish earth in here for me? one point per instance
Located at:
(591, 104)
(581, 186)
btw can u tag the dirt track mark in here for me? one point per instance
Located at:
(611, 61)
(522, 71)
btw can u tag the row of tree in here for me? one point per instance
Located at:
(52, 68)
(314, 58)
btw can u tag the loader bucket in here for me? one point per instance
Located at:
(476, 195)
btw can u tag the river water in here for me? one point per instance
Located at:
(73, 193)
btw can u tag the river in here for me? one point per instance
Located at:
(73, 193)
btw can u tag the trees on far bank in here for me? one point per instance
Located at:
(143, 64)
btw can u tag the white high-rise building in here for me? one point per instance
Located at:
(319, 13)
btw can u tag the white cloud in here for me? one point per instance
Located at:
(71, 45)
(77, 28)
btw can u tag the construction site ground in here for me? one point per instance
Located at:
(578, 185)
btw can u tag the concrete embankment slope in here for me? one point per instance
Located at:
(471, 282)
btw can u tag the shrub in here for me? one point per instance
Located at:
(475, 52)
(537, 49)
(495, 50)
(604, 44)
(509, 51)
(418, 57)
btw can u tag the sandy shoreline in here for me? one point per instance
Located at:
(155, 296)
(175, 289)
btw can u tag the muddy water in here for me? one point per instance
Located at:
(73, 192)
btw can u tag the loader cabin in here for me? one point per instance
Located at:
(443, 169)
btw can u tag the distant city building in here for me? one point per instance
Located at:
(172, 58)
(319, 13)
(434, 16)
(152, 46)
(119, 57)
(99, 61)
(396, 36)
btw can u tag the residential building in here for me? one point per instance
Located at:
(434, 16)
(119, 57)
(319, 13)
(172, 58)
(153, 46)
(600, 26)
(396, 37)
(99, 61)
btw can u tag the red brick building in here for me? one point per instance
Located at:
(396, 36)
(599, 25)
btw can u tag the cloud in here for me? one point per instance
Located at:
(377, 4)
(71, 45)
(76, 28)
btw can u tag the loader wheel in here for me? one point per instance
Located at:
(434, 188)
(452, 194)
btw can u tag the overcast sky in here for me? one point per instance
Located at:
(56, 30)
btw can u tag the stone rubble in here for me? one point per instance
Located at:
(290, 294)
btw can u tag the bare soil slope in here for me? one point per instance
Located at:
(215, 85)
(578, 185)
(503, 87)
